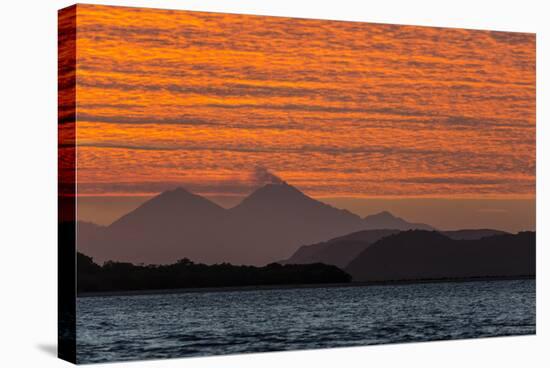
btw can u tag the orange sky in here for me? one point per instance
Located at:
(338, 109)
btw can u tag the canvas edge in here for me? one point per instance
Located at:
(66, 184)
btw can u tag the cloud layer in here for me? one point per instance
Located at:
(337, 108)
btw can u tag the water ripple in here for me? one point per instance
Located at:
(210, 323)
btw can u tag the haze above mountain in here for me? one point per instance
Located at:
(267, 226)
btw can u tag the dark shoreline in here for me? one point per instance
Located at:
(294, 286)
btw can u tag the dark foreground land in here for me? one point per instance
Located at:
(184, 274)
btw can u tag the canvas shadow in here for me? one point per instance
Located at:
(50, 349)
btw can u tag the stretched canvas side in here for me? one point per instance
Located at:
(67, 184)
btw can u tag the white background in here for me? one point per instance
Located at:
(28, 169)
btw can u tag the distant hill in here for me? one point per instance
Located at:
(385, 220)
(420, 255)
(338, 251)
(342, 250)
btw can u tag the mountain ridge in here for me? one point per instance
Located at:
(267, 225)
(386, 220)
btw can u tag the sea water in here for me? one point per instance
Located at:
(115, 328)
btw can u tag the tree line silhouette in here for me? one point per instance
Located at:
(121, 276)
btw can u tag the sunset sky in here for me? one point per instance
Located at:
(339, 109)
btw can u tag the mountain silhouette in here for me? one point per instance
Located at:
(342, 250)
(421, 255)
(277, 218)
(339, 251)
(175, 206)
(174, 224)
(268, 225)
(89, 236)
(385, 220)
